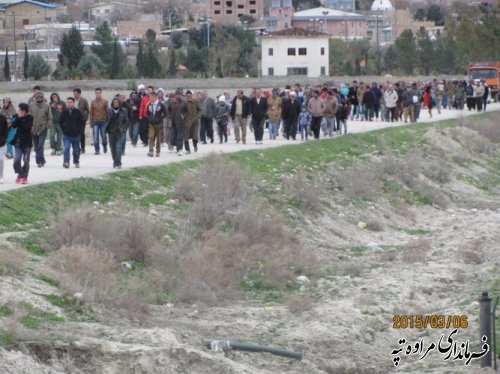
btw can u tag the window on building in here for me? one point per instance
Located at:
(217, 3)
(26, 22)
(322, 51)
(253, 11)
(241, 6)
(302, 51)
(323, 70)
(217, 11)
(297, 71)
(252, 2)
(270, 71)
(270, 52)
(229, 11)
(229, 3)
(291, 51)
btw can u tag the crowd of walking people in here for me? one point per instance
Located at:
(176, 120)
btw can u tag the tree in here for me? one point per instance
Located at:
(425, 49)
(26, 62)
(172, 64)
(306, 4)
(91, 66)
(390, 59)
(420, 15)
(151, 66)
(405, 51)
(6, 66)
(116, 62)
(38, 68)
(139, 63)
(435, 14)
(72, 48)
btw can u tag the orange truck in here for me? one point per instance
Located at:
(488, 72)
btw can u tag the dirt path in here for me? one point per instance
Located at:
(93, 166)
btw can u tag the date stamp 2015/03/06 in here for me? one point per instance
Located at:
(433, 321)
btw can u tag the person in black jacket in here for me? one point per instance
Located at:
(72, 124)
(369, 103)
(290, 113)
(155, 113)
(116, 127)
(258, 110)
(240, 109)
(23, 142)
(4, 131)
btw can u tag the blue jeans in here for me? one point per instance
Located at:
(22, 154)
(73, 141)
(290, 129)
(10, 136)
(134, 133)
(38, 144)
(99, 128)
(116, 141)
(303, 131)
(328, 126)
(273, 129)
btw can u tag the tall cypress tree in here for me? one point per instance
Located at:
(26, 62)
(140, 59)
(115, 61)
(72, 47)
(172, 64)
(6, 66)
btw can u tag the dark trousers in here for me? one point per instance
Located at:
(56, 136)
(391, 115)
(71, 141)
(222, 131)
(82, 138)
(479, 103)
(38, 144)
(24, 155)
(471, 103)
(290, 128)
(143, 131)
(134, 132)
(206, 129)
(258, 128)
(178, 135)
(115, 145)
(316, 126)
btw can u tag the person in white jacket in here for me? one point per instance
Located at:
(391, 99)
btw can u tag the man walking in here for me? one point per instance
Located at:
(82, 105)
(240, 109)
(155, 113)
(193, 122)
(208, 110)
(98, 109)
(71, 123)
(143, 116)
(116, 127)
(316, 106)
(42, 117)
(178, 111)
(290, 111)
(258, 110)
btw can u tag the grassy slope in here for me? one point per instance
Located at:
(29, 207)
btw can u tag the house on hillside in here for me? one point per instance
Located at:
(27, 12)
(295, 51)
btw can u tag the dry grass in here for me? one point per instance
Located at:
(353, 269)
(416, 251)
(374, 225)
(405, 170)
(360, 181)
(12, 326)
(94, 275)
(12, 261)
(298, 304)
(438, 171)
(308, 193)
(471, 140)
(486, 128)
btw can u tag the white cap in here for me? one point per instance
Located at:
(222, 98)
(160, 89)
(141, 87)
(293, 93)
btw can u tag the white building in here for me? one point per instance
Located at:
(295, 51)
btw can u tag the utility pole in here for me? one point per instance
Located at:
(15, 48)
(325, 13)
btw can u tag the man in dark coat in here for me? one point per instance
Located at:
(23, 142)
(290, 113)
(72, 123)
(258, 110)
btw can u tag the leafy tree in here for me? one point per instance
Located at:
(425, 49)
(108, 43)
(91, 66)
(26, 62)
(6, 65)
(406, 50)
(176, 39)
(248, 19)
(390, 59)
(72, 48)
(420, 15)
(151, 64)
(38, 68)
(435, 14)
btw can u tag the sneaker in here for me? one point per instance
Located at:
(66, 165)
(83, 151)
(105, 148)
(260, 142)
(203, 142)
(119, 167)
(9, 156)
(212, 140)
(179, 153)
(195, 148)
(157, 154)
(188, 152)
(150, 154)
(39, 164)
(77, 165)
(97, 153)
(18, 179)
(24, 181)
